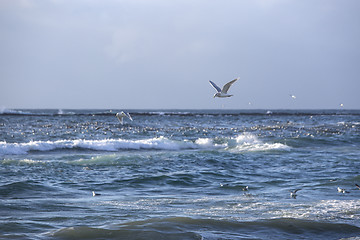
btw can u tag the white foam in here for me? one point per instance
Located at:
(324, 209)
(23, 161)
(205, 142)
(250, 143)
(11, 111)
(243, 142)
(160, 143)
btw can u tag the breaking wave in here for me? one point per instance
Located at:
(190, 228)
(241, 143)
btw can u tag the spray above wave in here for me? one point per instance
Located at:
(244, 142)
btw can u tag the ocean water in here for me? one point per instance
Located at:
(176, 174)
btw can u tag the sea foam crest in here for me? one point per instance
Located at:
(243, 142)
(249, 142)
(160, 143)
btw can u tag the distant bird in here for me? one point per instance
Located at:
(292, 96)
(357, 186)
(222, 93)
(121, 115)
(95, 194)
(293, 193)
(342, 190)
(246, 188)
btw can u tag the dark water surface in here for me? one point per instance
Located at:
(179, 174)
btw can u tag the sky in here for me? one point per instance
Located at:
(161, 54)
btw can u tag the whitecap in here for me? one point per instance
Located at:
(243, 142)
(158, 143)
(247, 142)
(11, 111)
(205, 142)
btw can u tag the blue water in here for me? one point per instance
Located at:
(179, 174)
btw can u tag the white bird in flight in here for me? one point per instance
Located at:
(222, 93)
(293, 193)
(292, 96)
(123, 114)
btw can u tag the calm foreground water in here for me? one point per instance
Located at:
(179, 174)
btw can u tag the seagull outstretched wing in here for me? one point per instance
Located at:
(128, 115)
(228, 85)
(295, 191)
(215, 86)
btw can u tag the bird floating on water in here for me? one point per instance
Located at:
(342, 190)
(123, 114)
(222, 93)
(95, 194)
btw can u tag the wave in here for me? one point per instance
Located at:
(251, 143)
(190, 228)
(4, 111)
(160, 143)
(54, 112)
(241, 143)
(23, 189)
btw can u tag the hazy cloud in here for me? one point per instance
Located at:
(161, 54)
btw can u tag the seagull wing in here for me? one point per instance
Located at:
(128, 115)
(228, 85)
(215, 86)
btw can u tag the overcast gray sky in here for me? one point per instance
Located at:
(142, 54)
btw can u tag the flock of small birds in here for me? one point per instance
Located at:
(340, 190)
(293, 194)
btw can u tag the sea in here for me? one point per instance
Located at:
(179, 174)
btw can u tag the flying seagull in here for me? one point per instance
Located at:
(357, 186)
(222, 93)
(123, 114)
(293, 193)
